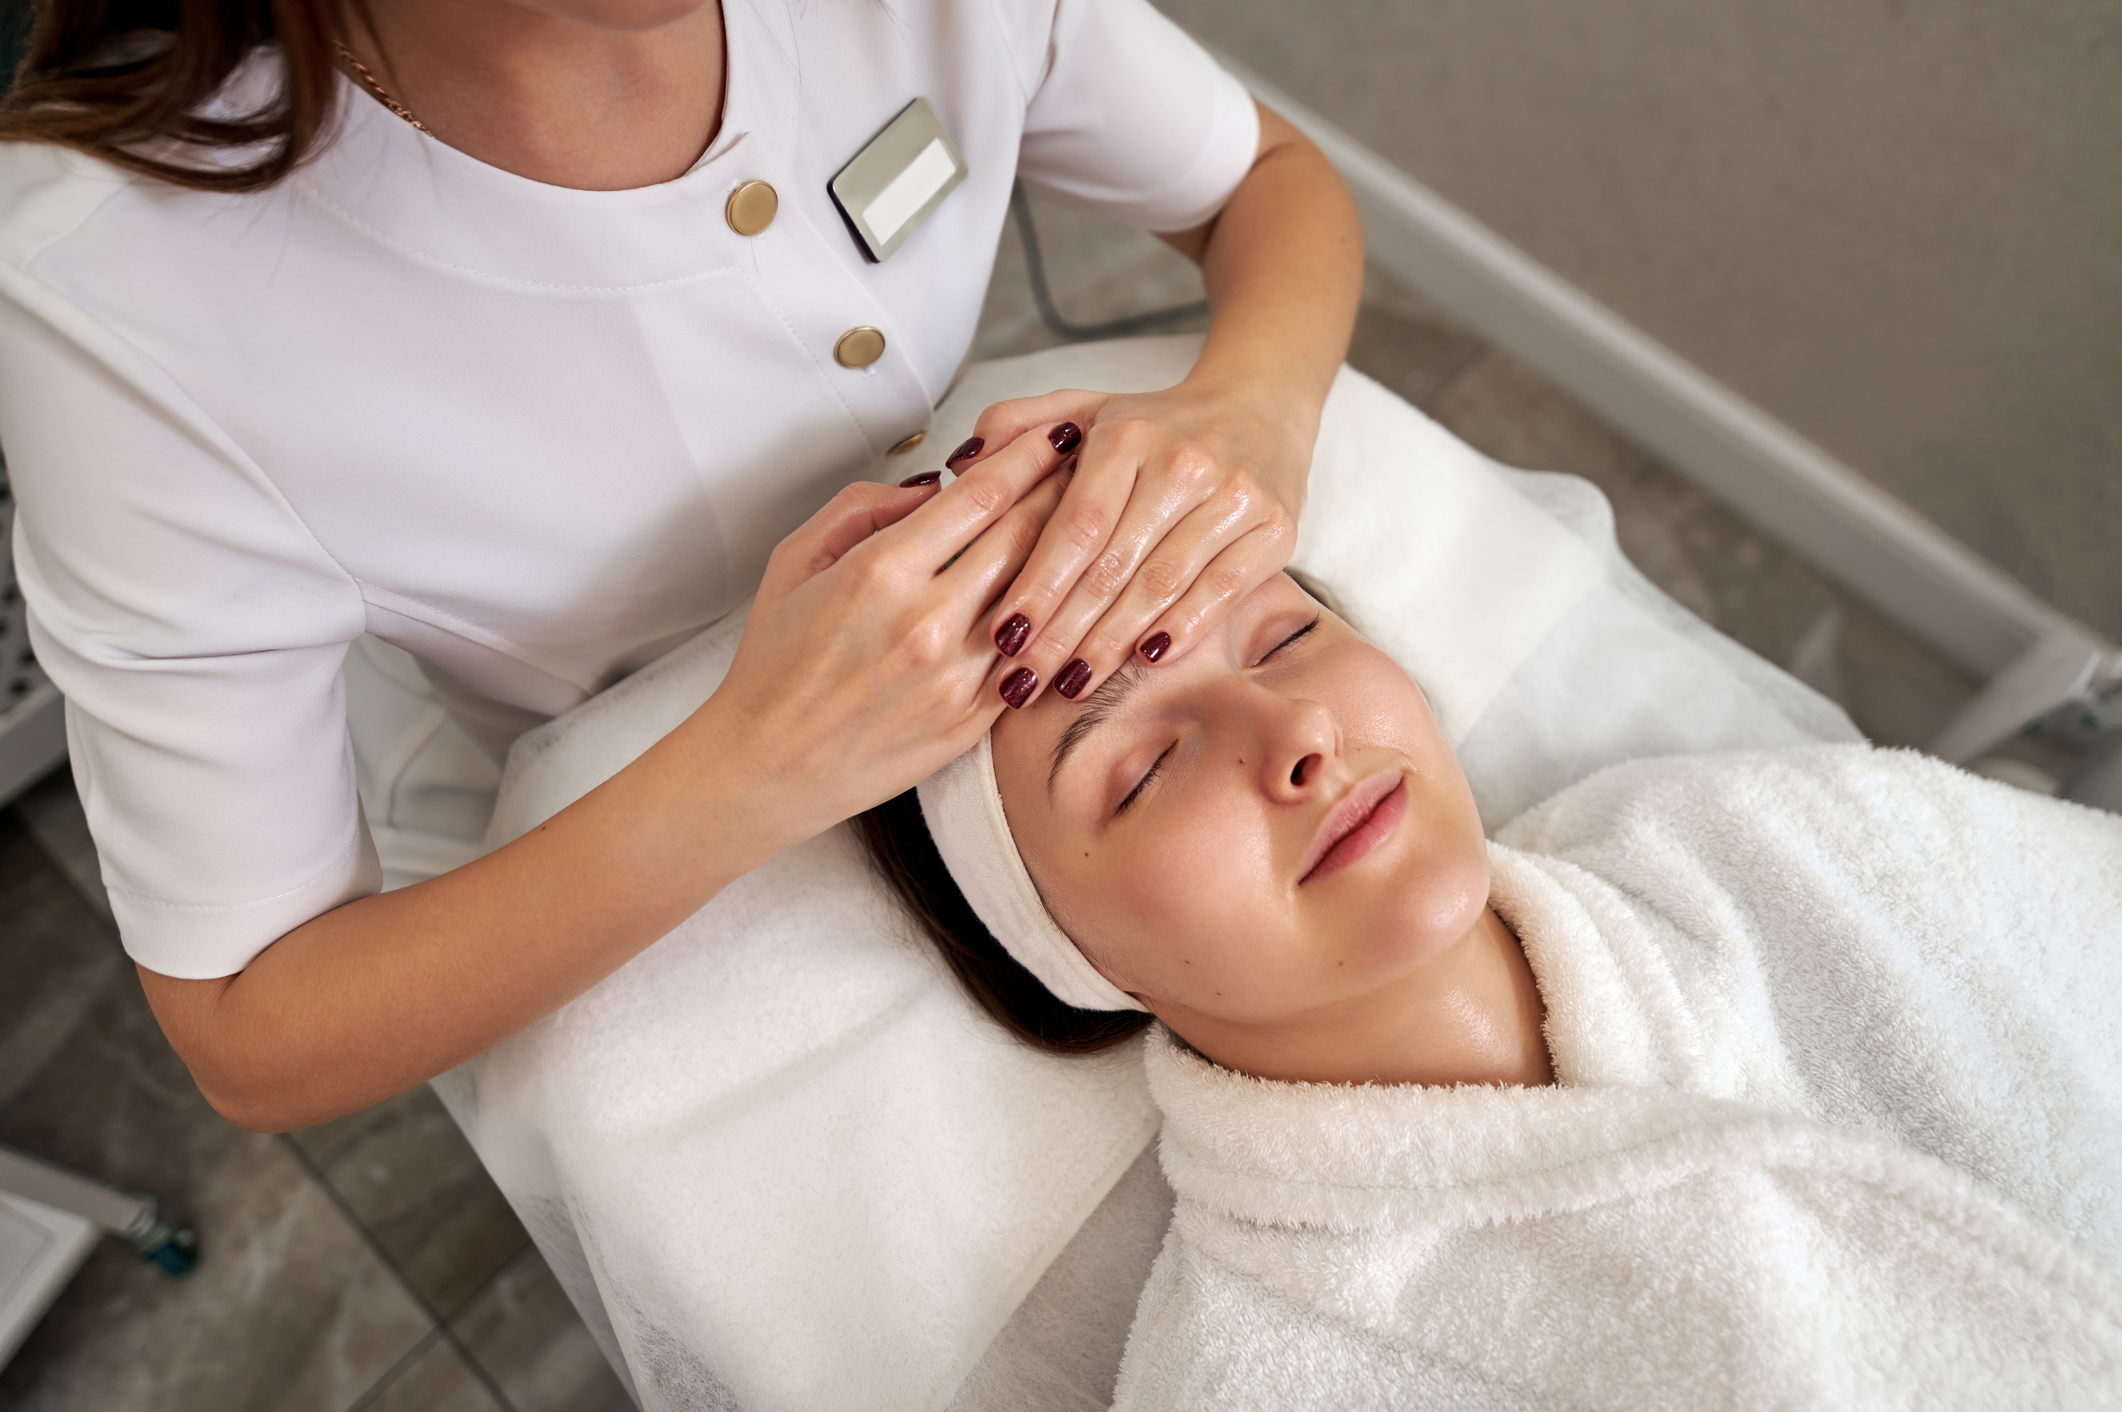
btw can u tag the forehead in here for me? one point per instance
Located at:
(1029, 739)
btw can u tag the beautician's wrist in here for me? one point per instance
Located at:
(1272, 413)
(730, 794)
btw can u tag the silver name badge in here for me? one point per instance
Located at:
(896, 182)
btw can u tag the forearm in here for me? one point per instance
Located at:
(1283, 264)
(387, 991)
(860, 672)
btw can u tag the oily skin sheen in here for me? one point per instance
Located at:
(1193, 897)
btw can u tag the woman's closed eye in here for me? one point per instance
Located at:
(1157, 765)
(1143, 783)
(1289, 641)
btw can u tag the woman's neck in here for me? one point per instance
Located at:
(553, 99)
(1472, 1014)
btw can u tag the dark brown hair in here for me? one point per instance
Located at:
(899, 845)
(126, 80)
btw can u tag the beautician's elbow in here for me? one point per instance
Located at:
(266, 1104)
(255, 1113)
(257, 1104)
(234, 1072)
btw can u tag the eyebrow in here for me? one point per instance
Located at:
(1103, 704)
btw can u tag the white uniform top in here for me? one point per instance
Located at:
(532, 435)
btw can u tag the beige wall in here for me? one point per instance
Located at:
(1896, 225)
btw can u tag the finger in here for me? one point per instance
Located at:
(1093, 634)
(1257, 556)
(984, 493)
(851, 516)
(1097, 543)
(996, 557)
(1003, 422)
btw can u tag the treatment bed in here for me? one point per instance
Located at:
(779, 1161)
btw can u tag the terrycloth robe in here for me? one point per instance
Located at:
(1837, 1036)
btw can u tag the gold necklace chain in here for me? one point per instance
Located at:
(375, 88)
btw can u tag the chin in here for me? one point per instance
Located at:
(1436, 901)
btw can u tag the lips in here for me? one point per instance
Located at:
(1355, 826)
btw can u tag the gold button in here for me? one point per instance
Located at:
(751, 208)
(859, 347)
(909, 444)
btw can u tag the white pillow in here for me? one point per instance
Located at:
(781, 1162)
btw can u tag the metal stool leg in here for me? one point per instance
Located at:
(144, 1222)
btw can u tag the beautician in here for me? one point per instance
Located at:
(518, 334)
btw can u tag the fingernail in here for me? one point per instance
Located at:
(1155, 646)
(1065, 438)
(925, 478)
(1017, 687)
(968, 447)
(1074, 677)
(1011, 636)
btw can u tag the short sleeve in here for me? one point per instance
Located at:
(197, 630)
(1131, 119)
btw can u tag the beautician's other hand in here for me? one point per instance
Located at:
(1183, 501)
(1187, 498)
(864, 665)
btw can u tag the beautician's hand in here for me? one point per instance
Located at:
(1187, 498)
(864, 665)
(1184, 500)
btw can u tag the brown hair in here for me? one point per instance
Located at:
(899, 846)
(125, 80)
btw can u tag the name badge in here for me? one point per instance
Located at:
(898, 181)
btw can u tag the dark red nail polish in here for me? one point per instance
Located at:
(968, 447)
(1065, 438)
(925, 478)
(1017, 687)
(1074, 677)
(1155, 646)
(1011, 636)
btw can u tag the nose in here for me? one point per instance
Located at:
(1300, 743)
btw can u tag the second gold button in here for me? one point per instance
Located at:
(751, 208)
(859, 347)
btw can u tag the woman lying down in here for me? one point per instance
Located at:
(1787, 1078)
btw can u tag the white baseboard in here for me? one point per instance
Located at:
(1911, 571)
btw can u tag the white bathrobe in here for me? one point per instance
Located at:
(1837, 1035)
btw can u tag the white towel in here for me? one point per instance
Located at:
(1839, 1124)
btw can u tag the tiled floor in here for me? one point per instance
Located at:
(370, 1263)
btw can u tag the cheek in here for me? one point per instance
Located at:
(1435, 896)
(1182, 907)
(1378, 704)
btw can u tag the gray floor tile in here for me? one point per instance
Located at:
(52, 811)
(60, 960)
(522, 1329)
(1748, 586)
(1406, 343)
(409, 1176)
(289, 1306)
(1900, 692)
(436, 1380)
(1096, 270)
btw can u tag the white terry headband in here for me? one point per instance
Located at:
(963, 807)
